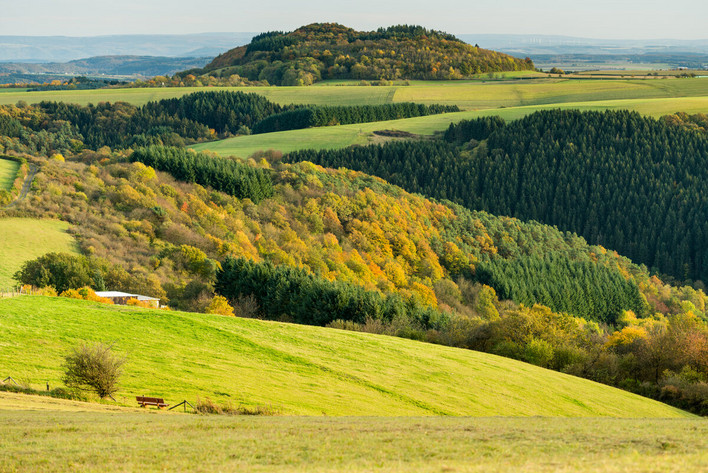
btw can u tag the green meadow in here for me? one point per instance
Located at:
(56, 440)
(294, 369)
(510, 97)
(467, 94)
(24, 239)
(335, 95)
(359, 134)
(8, 173)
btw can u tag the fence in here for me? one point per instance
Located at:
(16, 291)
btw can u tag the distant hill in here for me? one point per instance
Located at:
(575, 53)
(66, 48)
(531, 45)
(331, 51)
(115, 66)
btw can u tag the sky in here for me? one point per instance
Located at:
(608, 19)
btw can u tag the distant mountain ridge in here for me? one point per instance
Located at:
(135, 66)
(556, 44)
(68, 48)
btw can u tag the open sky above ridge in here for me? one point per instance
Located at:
(615, 19)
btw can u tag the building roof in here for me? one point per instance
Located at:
(115, 294)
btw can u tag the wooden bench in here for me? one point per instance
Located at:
(151, 401)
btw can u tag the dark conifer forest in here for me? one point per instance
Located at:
(232, 177)
(630, 183)
(307, 117)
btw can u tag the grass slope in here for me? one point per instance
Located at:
(101, 441)
(10, 401)
(494, 94)
(24, 239)
(8, 173)
(282, 95)
(468, 94)
(299, 369)
(359, 134)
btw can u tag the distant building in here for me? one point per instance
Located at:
(122, 298)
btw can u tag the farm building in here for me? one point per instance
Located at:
(122, 298)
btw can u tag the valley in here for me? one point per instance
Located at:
(411, 254)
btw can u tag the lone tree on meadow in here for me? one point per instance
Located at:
(93, 367)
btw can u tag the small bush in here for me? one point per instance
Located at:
(219, 305)
(93, 367)
(85, 293)
(134, 302)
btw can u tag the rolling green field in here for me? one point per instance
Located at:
(342, 136)
(8, 173)
(282, 95)
(468, 95)
(510, 99)
(105, 441)
(295, 369)
(24, 239)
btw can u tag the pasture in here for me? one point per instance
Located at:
(334, 95)
(24, 239)
(8, 173)
(294, 369)
(94, 440)
(467, 94)
(359, 134)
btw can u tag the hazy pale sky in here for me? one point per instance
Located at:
(615, 19)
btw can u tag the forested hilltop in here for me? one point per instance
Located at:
(331, 51)
(628, 182)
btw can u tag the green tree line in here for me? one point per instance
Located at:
(581, 288)
(232, 177)
(326, 115)
(288, 292)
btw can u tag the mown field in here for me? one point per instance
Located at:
(294, 369)
(92, 440)
(24, 239)
(468, 95)
(8, 173)
(342, 136)
(284, 95)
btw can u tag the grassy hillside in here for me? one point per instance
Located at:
(492, 94)
(299, 369)
(8, 172)
(91, 441)
(11, 401)
(24, 239)
(141, 96)
(468, 94)
(360, 134)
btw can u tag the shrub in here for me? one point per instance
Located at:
(538, 352)
(135, 302)
(220, 305)
(84, 293)
(93, 367)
